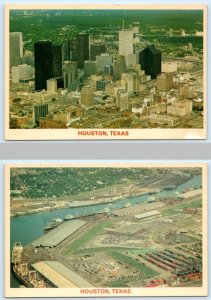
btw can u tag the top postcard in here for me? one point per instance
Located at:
(105, 72)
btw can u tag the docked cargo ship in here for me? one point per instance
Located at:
(17, 252)
(27, 277)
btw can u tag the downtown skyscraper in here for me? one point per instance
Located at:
(150, 61)
(16, 48)
(82, 49)
(48, 63)
(43, 57)
(125, 42)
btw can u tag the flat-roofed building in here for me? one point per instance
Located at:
(56, 236)
(163, 120)
(147, 214)
(169, 66)
(102, 61)
(122, 100)
(87, 96)
(52, 85)
(43, 96)
(180, 108)
(89, 67)
(165, 81)
(60, 276)
(21, 72)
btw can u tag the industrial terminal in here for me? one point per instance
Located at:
(147, 239)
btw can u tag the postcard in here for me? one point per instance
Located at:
(106, 230)
(105, 72)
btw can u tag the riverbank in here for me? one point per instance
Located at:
(26, 207)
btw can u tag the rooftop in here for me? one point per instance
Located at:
(60, 275)
(56, 236)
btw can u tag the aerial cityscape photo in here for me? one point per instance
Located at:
(106, 69)
(107, 227)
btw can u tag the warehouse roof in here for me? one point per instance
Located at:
(193, 193)
(147, 214)
(59, 275)
(56, 236)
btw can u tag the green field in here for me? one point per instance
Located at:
(118, 283)
(191, 204)
(114, 248)
(86, 237)
(133, 263)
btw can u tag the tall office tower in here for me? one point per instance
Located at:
(16, 48)
(82, 49)
(96, 48)
(89, 68)
(69, 50)
(150, 61)
(69, 74)
(125, 42)
(87, 95)
(103, 60)
(57, 60)
(43, 64)
(119, 67)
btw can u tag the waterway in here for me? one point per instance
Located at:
(27, 228)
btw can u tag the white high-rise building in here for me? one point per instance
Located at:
(125, 42)
(16, 48)
(21, 72)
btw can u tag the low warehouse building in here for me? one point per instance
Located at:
(56, 236)
(59, 275)
(147, 214)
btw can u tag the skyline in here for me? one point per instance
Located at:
(125, 89)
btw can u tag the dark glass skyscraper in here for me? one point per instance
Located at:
(69, 50)
(43, 57)
(82, 49)
(96, 48)
(57, 60)
(150, 61)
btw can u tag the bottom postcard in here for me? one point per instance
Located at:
(106, 229)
